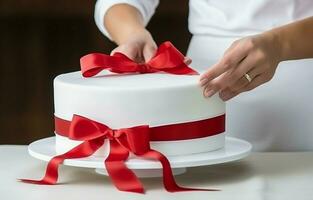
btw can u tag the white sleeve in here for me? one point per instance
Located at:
(145, 7)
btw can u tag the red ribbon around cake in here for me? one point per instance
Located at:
(134, 139)
(167, 59)
(123, 141)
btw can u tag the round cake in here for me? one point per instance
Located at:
(127, 100)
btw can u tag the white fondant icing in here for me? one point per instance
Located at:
(121, 101)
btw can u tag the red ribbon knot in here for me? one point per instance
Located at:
(111, 134)
(145, 68)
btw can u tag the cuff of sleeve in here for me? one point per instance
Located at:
(102, 7)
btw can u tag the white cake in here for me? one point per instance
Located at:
(126, 100)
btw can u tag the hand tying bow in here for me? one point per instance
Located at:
(167, 59)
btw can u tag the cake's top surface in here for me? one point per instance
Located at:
(134, 81)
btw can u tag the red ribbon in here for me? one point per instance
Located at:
(167, 59)
(122, 142)
(179, 131)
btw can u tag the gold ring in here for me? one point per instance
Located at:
(248, 77)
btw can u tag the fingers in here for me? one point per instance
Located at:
(235, 89)
(229, 77)
(232, 57)
(245, 66)
(242, 82)
(257, 81)
(130, 51)
(250, 54)
(237, 79)
(149, 51)
(140, 54)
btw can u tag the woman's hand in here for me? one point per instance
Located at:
(257, 56)
(125, 25)
(140, 46)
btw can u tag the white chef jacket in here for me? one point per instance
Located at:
(276, 116)
(228, 18)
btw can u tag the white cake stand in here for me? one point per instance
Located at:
(234, 149)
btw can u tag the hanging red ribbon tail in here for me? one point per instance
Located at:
(168, 178)
(167, 59)
(85, 149)
(123, 178)
(142, 149)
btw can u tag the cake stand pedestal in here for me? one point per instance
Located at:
(147, 173)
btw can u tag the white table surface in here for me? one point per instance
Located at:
(259, 176)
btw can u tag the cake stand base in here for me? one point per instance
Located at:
(234, 149)
(147, 173)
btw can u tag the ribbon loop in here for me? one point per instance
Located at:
(84, 129)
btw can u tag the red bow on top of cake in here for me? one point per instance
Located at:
(167, 59)
(133, 139)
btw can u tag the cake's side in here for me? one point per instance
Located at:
(125, 101)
